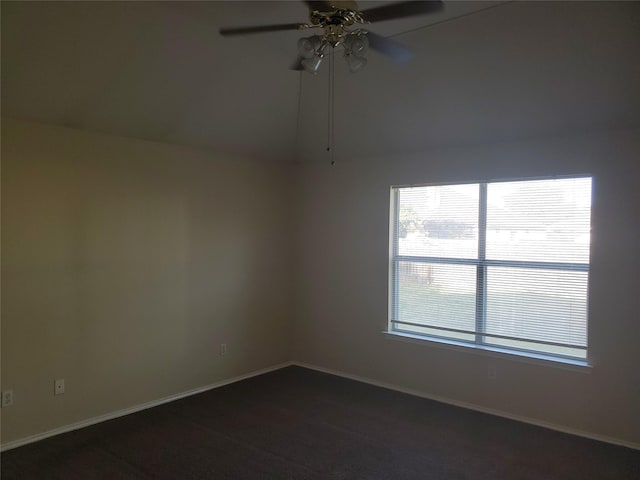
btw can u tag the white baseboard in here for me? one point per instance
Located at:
(136, 408)
(477, 408)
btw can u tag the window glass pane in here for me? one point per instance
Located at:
(439, 221)
(437, 295)
(536, 304)
(539, 220)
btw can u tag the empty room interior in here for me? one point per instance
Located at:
(360, 240)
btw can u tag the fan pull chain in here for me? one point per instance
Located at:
(331, 108)
(296, 143)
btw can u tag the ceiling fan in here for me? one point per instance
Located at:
(336, 18)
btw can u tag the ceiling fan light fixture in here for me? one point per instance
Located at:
(356, 46)
(357, 43)
(312, 65)
(309, 46)
(355, 62)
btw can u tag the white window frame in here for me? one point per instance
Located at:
(481, 263)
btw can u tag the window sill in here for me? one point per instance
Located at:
(495, 352)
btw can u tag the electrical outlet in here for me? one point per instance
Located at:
(7, 398)
(223, 349)
(492, 374)
(58, 386)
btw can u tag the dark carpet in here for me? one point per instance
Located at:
(297, 423)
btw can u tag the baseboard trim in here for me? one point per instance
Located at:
(477, 408)
(136, 408)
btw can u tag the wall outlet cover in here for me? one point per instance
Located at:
(58, 386)
(7, 398)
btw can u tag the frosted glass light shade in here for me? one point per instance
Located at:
(309, 46)
(312, 64)
(358, 44)
(355, 62)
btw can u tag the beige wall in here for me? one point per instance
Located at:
(125, 264)
(343, 271)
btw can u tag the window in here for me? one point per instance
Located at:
(501, 265)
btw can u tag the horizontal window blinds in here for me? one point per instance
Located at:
(502, 264)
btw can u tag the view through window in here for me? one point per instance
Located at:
(500, 264)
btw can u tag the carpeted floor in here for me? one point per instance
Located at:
(300, 424)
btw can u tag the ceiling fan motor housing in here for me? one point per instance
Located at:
(341, 17)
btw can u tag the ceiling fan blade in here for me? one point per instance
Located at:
(227, 31)
(319, 5)
(400, 10)
(297, 64)
(398, 52)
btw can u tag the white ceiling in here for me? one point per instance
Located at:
(160, 71)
